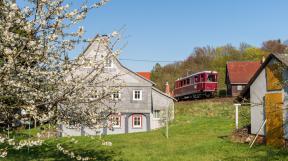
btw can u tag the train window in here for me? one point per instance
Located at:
(188, 81)
(211, 78)
(181, 83)
(202, 77)
(196, 78)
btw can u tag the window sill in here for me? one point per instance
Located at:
(137, 127)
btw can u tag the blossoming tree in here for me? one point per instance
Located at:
(36, 74)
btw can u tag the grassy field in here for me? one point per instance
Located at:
(200, 132)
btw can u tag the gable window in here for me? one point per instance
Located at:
(137, 95)
(108, 63)
(137, 121)
(116, 96)
(156, 114)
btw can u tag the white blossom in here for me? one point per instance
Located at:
(38, 77)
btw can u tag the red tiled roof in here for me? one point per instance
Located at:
(146, 75)
(240, 72)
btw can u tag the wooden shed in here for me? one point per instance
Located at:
(238, 74)
(267, 94)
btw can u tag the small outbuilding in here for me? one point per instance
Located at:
(238, 74)
(267, 94)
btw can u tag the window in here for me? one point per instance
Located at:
(116, 119)
(202, 76)
(212, 78)
(116, 96)
(156, 114)
(188, 81)
(137, 95)
(196, 78)
(108, 63)
(137, 121)
(239, 87)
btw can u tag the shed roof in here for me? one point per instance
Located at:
(240, 72)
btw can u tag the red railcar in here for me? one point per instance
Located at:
(198, 85)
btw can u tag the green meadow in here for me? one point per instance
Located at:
(200, 132)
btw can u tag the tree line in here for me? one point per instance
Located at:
(213, 58)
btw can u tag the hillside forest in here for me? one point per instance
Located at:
(213, 58)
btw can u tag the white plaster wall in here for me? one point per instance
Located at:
(71, 131)
(156, 123)
(88, 131)
(257, 93)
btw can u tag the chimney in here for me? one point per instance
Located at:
(167, 90)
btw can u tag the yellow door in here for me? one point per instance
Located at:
(274, 116)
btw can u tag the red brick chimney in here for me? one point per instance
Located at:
(167, 90)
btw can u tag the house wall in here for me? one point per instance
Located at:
(125, 105)
(161, 102)
(82, 131)
(257, 93)
(285, 105)
(116, 130)
(229, 90)
(258, 89)
(234, 91)
(132, 129)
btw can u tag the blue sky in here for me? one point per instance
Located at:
(170, 30)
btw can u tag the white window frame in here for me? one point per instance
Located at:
(108, 63)
(156, 114)
(115, 125)
(133, 121)
(140, 95)
(113, 94)
(239, 87)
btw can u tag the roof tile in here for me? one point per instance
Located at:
(240, 72)
(146, 75)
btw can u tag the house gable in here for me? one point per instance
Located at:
(131, 78)
(98, 49)
(282, 58)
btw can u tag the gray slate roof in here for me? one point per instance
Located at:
(282, 58)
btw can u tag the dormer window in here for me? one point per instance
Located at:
(108, 63)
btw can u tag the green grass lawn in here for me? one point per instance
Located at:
(199, 133)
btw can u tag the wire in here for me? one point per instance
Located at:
(146, 60)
